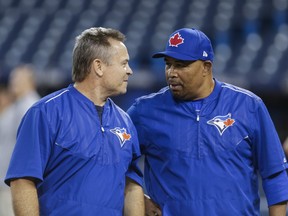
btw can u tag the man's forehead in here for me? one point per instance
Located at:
(170, 59)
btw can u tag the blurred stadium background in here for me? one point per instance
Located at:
(250, 39)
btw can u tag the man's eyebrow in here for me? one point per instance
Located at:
(185, 62)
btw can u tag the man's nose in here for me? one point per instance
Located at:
(172, 72)
(129, 70)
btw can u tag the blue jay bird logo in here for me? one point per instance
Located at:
(122, 135)
(222, 122)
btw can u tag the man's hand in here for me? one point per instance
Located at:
(151, 208)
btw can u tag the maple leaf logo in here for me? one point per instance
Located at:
(175, 40)
(126, 136)
(229, 122)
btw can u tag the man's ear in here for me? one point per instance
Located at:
(98, 67)
(207, 66)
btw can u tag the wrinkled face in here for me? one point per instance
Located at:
(184, 78)
(118, 70)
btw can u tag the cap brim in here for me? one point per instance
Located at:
(174, 55)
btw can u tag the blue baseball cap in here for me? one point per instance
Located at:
(188, 44)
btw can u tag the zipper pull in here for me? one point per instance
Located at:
(102, 129)
(198, 116)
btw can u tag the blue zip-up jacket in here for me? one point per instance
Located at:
(206, 162)
(79, 164)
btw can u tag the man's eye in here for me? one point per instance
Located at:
(180, 65)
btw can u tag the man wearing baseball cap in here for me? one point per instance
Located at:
(205, 141)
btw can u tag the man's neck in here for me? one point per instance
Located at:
(91, 92)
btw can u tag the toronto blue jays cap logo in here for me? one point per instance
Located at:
(187, 44)
(122, 135)
(176, 40)
(222, 122)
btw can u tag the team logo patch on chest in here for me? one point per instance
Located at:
(222, 122)
(122, 135)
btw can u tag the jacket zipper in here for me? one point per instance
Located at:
(198, 134)
(198, 115)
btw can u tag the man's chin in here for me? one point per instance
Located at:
(123, 91)
(176, 95)
(119, 93)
